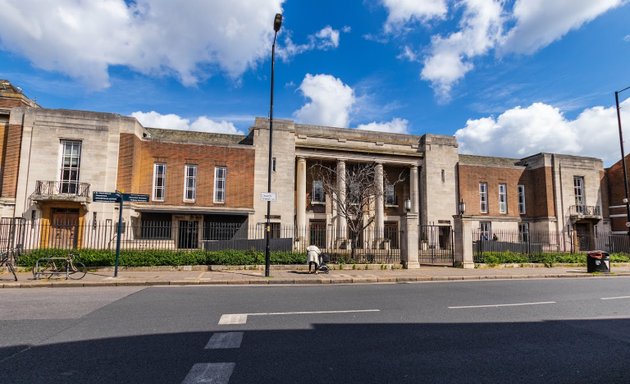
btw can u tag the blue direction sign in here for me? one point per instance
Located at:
(105, 197)
(112, 197)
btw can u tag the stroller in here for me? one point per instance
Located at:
(316, 259)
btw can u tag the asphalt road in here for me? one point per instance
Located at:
(530, 331)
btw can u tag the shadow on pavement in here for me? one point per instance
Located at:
(576, 351)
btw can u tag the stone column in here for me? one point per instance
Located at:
(300, 205)
(341, 188)
(379, 209)
(463, 242)
(413, 189)
(409, 241)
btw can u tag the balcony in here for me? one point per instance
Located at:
(61, 191)
(581, 212)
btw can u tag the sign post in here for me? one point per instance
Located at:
(119, 197)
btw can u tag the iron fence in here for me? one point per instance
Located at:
(42, 234)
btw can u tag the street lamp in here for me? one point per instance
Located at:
(623, 159)
(277, 22)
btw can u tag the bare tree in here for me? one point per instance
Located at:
(353, 193)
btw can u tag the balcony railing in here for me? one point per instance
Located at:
(61, 190)
(585, 210)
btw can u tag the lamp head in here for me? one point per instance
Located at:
(277, 22)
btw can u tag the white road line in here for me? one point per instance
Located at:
(502, 305)
(233, 318)
(225, 340)
(615, 298)
(241, 318)
(216, 373)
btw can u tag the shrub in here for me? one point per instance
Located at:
(162, 257)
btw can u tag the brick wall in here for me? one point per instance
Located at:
(537, 182)
(11, 146)
(135, 171)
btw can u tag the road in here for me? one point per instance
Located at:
(555, 331)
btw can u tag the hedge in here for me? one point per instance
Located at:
(159, 257)
(549, 259)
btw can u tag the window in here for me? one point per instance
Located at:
(190, 182)
(70, 164)
(159, 181)
(155, 226)
(578, 188)
(521, 199)
(485, 230)
(523, 232)
(502, 198)
(390, 194)
(483, 197)
(318, 195)
(220, 175)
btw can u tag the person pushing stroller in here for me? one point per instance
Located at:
(316, 260)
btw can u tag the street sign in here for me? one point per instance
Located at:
(136, 197)
(268, 196)
(105, 197)
(112, 197)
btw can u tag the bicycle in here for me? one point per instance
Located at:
(9, 259)
(51, 266)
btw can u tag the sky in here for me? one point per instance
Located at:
(508, 78)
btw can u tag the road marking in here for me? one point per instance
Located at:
(241, 318)
(216, 373)
(225, 340)
(615, 298)
(233, 318)
(502, 305)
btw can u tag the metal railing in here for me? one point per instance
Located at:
(46, 188)
(585, 210)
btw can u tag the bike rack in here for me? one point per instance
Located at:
(37, 275)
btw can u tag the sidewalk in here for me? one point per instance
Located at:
(297, 274)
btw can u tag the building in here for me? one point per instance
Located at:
(203, 187)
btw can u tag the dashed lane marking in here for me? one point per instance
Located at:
(216, 373)
(615, 298)
(241, 318)
(225, 340)
(501, 305)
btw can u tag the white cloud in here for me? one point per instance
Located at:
(325, 39)
(171, 121)
(408, 54)
(450, 57)
(521, 132)
(403, 12)
(396, 125)
(191, 40)
(522, 26)
(627, 38)
(541, 22)
(330, 101)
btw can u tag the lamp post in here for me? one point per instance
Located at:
(277, 22)
(623, 159)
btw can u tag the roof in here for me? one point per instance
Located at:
(194, 137)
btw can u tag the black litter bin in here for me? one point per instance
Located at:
(597, 261)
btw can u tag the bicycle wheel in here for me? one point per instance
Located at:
(12, 269)
(76, 270)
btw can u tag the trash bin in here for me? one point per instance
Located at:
(597, 261)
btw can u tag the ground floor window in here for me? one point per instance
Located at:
(155, 226)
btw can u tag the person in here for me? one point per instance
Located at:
(312, 257)
(495, 237)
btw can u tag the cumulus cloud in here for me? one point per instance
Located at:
(450, 57)
(543, 128)
(171, 121)
(504, 27)
(541, 22)
(403, 12)
(325, 39)
(330, 101)
(396, 125)
(83, 39)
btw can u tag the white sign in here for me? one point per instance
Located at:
(268, 196)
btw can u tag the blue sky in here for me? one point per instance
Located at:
(507, 78)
